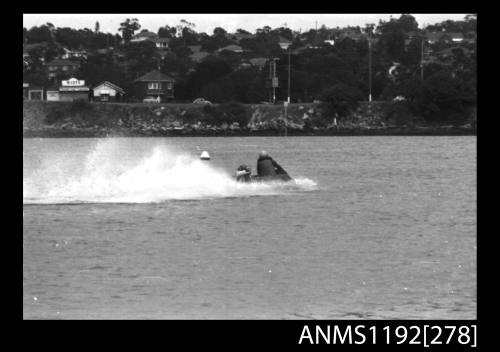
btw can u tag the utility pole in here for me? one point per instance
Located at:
(370, 69)
(273, 82)
(422, 60)
(289, 54)
(270, 79)
(274, 79)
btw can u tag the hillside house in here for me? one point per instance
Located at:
(66, 68)
(161, 43)
(259, 62)
(239, 36)
(107, 92)
(73, 54)
(434, 37)
(144, 36)
(232, 48)
(155, 85)
(197, 55)
(456, 37)
(282, 41)
(356, 36)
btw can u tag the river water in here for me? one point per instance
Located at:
(140, 228)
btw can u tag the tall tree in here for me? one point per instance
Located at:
(219, 31)
(128, 28)
(167, 32)
(39, 34)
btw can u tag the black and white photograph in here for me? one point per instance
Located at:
(252, 166)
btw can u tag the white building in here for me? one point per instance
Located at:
(107, 91)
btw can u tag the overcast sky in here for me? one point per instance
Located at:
(230, 22)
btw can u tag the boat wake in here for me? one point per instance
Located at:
(104, 177)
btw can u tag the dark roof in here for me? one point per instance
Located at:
(146, 34)
(456, 35)
(62, 62)
(102, 51)
(284, 40)
(154, 76)
(231, 47)
(28, 47)
(239, 36)
(258, 61)
(353, 35)
(194, 48)
(198, 56)
(111, 85)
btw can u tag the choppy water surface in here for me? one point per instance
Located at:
(373, 227)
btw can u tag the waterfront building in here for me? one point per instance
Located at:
(155, 85)
(107, 91)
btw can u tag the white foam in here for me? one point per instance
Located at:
(161, 175)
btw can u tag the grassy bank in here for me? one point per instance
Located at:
(83, 119)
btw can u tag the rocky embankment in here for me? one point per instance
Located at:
(83, 119)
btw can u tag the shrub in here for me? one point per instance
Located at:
(340, 99)
(227, 113)
(398, 112)
(53, 116)
(79, 105)
(193, 116)
(444, 98)
(233, 112)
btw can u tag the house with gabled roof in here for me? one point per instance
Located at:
(259, 62)
(199, 56)
(107, 92)
(433, 37)
(161, 43)
(283, 40)
(74, 54)
(239, 36)
(143, 36)
(232, 48)
(456, 37)
(155, 85)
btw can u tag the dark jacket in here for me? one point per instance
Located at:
(266, 166)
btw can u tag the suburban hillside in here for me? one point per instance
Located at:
(430, 71)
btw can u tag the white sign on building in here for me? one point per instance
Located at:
(73, 82)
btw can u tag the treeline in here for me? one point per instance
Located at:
(337, 74)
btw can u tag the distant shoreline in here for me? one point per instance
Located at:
(82, 119)
(424, 131)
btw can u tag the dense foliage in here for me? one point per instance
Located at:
(337, 74)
